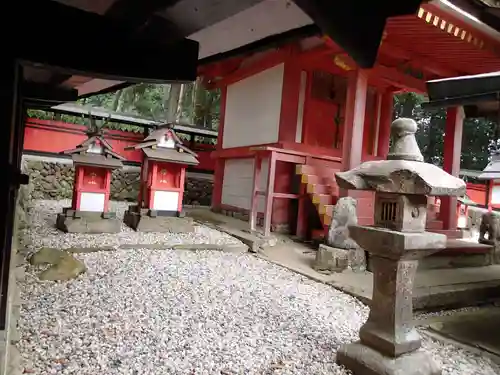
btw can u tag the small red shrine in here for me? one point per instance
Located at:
(163, 174)
(297, 111)
(94, 160)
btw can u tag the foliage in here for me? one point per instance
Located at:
(191, 103)
(477, 139)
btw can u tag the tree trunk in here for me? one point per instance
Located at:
(116, 100)
(200, 103)
(178, 112)
(173, 101)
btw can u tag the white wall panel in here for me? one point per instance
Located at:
(253, 106)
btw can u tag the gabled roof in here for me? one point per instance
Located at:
(176, 153)
(107, 158)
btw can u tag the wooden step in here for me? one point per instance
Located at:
(326, 209)
(315, 169)
(311, 179)
(323, 199)
(318, 189)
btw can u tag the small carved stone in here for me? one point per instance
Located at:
(344, 214)
(341, 251)
(490, 225)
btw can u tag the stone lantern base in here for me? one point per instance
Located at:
(146, 220)
(363, 360)
(74, 221)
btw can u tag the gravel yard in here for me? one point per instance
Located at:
(184, 312)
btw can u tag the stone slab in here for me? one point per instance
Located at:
(254, 242)
(472, 328)
(434, 289)
(92, 225)
(363, 360)
(164, 224)
(227, 248)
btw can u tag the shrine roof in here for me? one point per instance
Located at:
(96, 160)
(170, 155)
(492, 170)
(478, 94)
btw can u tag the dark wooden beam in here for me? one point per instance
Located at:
(105, 47)
(33, 91)
(357, 27)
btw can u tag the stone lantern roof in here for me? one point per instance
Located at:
(404, 171)
(95, 152)
(492, 170)
(164, 145)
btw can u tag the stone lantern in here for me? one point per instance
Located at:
(389, 344)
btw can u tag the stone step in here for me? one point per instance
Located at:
(455, 234)
(434, 224)
(457, 260)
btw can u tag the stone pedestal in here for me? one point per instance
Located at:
(331, 259)
(389, 343)
(146, 220)
(71, 221)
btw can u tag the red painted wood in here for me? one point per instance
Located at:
(255, 188)
(219, 162)
(451, 163)
(289, 102)
(56, 136)
(267, 61)
(386, 116)
(268, 205)
(354, 120)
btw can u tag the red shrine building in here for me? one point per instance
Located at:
(94, 160)
(163, 173)
(296, 111)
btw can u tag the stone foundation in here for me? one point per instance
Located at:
(54, 180)
(243, 214)
(71, 221)
(146, 220)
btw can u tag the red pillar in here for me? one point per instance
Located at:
(384, 131)
(289, 102)
(219, 163)
(352, 144)
(451, 163)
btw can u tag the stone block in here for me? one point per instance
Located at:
(146, 223)
(87, 224)
(363, 360)
(331, 259)
(66, 268)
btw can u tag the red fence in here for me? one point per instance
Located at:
(52, 137)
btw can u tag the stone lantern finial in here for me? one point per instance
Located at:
(404, 144)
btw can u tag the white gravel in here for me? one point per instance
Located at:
(183, 312)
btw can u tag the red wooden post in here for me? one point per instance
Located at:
(289, 102)
(182, 179)
(107, 184)
(354, 121)
(219, 163)
(386, 114)
(301, 213)
(268, 208)
(451, 163)
(255, 189)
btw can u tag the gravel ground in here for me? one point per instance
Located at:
(183, 312)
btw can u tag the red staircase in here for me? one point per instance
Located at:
(319, 182)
